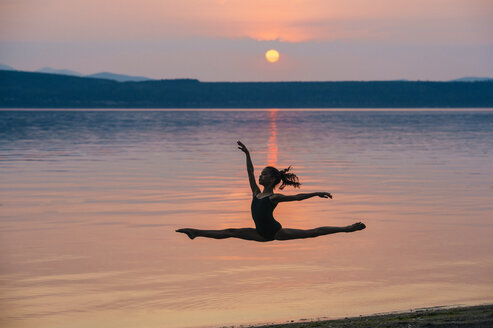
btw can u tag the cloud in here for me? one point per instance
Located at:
(285, 20)
(220, 40)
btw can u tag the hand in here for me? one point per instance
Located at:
(324, 194)
(242, 147)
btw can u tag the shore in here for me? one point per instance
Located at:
(463, 317)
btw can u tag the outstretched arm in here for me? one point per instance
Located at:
(251, 174)
(284, 198)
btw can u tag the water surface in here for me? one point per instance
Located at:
(90, 201)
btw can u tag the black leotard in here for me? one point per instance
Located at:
(265, 223)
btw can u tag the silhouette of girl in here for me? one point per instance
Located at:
(263, 204)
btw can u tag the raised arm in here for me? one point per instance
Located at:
(249, 164)
(283, 198)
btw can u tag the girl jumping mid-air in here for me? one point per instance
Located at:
(263, 205)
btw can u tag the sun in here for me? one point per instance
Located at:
(272, 56)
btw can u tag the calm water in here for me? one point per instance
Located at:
(89, 202)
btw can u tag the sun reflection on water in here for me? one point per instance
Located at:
(272, 143)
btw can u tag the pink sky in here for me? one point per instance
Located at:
(226, 39)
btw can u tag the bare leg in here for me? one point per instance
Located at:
(287, 234)
(241, 233)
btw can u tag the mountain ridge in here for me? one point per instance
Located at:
(118, 77)
(138, 78)
(472, 79)
(68, 72)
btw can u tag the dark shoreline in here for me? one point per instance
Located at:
(448, 317)
(41, 90)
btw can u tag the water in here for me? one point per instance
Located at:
(90, 201)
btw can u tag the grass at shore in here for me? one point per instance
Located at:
(461, 317)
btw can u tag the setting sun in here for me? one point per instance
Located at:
(272, 56)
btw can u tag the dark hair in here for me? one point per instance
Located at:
(288, 179)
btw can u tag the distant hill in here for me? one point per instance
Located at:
(118, 77)
(40, 90)
(58, 71)
(102, 75)
(472, 79)
(6, 67)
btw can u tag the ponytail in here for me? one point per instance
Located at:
(287, 179)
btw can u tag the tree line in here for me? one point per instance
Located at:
(39, 90)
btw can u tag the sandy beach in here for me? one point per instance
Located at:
(472, 316)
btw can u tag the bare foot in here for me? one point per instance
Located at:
(191, 233)
(355, 227)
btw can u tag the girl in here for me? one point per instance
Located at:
(263, 204)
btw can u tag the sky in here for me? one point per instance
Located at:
(225, 40)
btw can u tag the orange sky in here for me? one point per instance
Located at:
(52, 28)
(286, 20)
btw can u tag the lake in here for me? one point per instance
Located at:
(90, 201)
